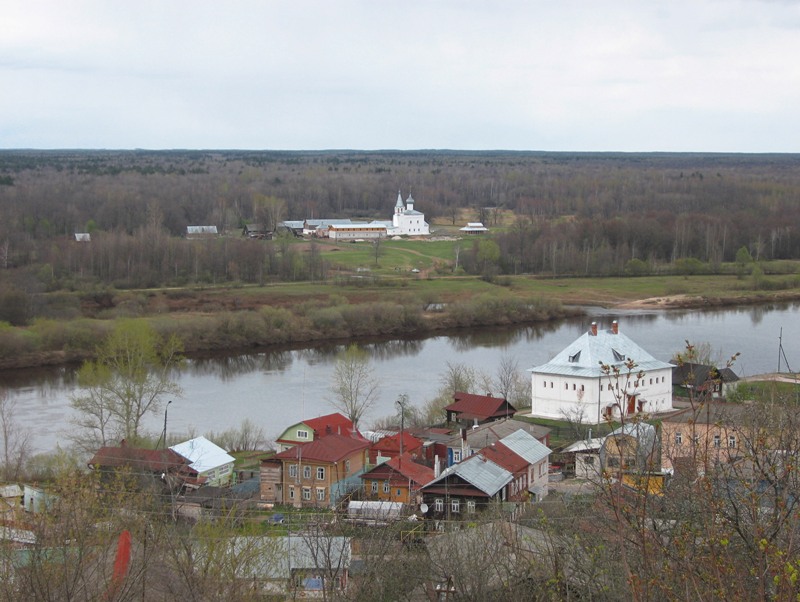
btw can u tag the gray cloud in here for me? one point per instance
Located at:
(714, 76)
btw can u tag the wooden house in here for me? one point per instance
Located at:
(397, 480)
(470, 410)
(315, 428)
(315, 474)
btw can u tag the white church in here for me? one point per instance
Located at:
(573, 384)
(406, 220)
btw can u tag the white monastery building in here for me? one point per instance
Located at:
(406, 220)
(573, 384)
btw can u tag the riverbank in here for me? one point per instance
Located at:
(684, 301)
(229, 320)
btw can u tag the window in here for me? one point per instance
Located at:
(374, 486)
(399, 493)
(291, 493)
(731, 440)
(471, 506)
(455, 506)
(582, 388)
(320, 494)
(320, 473)
(456, 455)
(678, 438)
(438, 504)
(293, 470)
(306, 472)
(574, 386)
(651, 381)
(386, 488)
(306, 493)
(717, 441)
(566, 386)
(302, 434)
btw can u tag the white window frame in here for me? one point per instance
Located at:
(374, 487)
(306, 472)
(470, 506)
(455, 506)
(320, 473)
(678, 438)
(438, 504)
(306, 494)
(456, 456)
(387, 488)
(293, 470)
(320, 494)
(301, 434)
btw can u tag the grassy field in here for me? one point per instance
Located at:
(371, 285)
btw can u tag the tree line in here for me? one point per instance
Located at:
(575, 213)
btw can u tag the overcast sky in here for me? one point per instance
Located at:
(558, 75)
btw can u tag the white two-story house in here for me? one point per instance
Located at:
(574, 385)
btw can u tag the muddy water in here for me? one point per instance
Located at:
(279, 387)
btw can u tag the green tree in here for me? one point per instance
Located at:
(488, 256)
(743, 259)
(355, 388)
(129, 379)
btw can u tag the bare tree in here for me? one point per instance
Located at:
(129, 379)
(16, 440)
(355, 389)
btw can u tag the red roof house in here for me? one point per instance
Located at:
(397, 480)
(470, 409)
(389, 447)
(315, 474)
(315, 428)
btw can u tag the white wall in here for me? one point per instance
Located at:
(555, 396)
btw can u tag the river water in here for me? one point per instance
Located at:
(278, 388)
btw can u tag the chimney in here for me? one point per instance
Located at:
(594, 329)
(615, 327)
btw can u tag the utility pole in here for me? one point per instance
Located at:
(401, 403)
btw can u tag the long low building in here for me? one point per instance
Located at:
(357, 230)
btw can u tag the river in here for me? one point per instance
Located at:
(278, 388)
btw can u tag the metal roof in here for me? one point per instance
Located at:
(202, 454)
(481, 473)
(584, 356)
(526, 446)
(584, 445)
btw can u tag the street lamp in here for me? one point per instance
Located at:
(165, 423)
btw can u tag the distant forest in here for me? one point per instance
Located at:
(573, 213)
